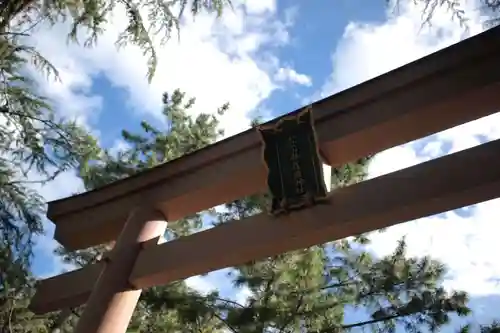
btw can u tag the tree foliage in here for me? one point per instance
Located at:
(456, 8)
(146, 19)
(36, 145)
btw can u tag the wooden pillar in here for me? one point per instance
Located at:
(113, 300)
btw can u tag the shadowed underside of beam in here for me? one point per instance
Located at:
(447, 183)
(442, 90)
(67, 290)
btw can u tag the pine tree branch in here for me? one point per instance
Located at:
(359, 324)
(60, 320)
(337, 285)
(294, 315)
(266, 298)
(373, 321)
(225, 322)
(50, 124)
(229, 302)
(9, 9)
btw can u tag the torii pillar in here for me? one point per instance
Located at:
(113, 300)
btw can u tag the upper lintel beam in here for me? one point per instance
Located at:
(445, 89)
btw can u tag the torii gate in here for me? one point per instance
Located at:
(458, 84)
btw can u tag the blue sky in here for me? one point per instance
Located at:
(270, 57)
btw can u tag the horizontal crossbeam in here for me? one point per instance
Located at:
(66, 290)
(450, 182)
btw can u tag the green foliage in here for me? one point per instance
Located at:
(34, 143)
(457, 10)
(35, 146)
(16, 288)
(146, 19)
(492, 328)
(175, 308)
(155, 146)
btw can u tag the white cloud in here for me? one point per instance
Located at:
(200, 284)
(258, 7)
(367, 50)
(289, 74)
(119, 146)
(70, 95)
(393, 159)
(242, 295)
(463, 137)
(216, 61)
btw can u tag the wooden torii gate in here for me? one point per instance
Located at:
(458, 84)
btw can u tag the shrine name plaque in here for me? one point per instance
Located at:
(295, 170)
